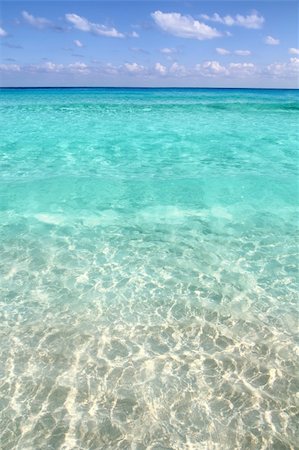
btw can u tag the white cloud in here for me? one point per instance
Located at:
(134, 34)
(184, 26)
(271, 40)
(284, 70)
(168, 51)
(78, 67)
(243, 52)
(37, 22)
(160, 68)
(2, 32)
(294, 62)
(253, 20)
(211, 68)
(133, 67)
(215, 69)
(294, 51)
(50, 67)
(222, 51)
(80, 23)
(10, 68)
(78, 43)
(242, 69)
(178, 69)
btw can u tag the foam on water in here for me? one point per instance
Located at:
(149, 271)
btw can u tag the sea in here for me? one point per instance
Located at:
(149, 269)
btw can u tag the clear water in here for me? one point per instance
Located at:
(148, 269)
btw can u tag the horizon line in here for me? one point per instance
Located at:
(151, 87)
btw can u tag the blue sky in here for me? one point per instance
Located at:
(149, 43)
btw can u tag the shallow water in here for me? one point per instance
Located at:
(149, 270)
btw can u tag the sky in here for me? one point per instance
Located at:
(149, 43)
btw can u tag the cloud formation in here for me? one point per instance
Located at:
(242, 52)
(178, 70)
(160, 68)
(184, 26)
(222, 51)
(242, 69)
(133, 34)
(2, 32)
(37, 22)
(78, 43)
(284, 70)
(253, 21)
(214, 69)
(82, 24)
(294, 51)
(207, 69)
(51, 67)
(270, 40)
(211, 68)
(168, 51)
(133, 68)
(10, 68)
(78, 67)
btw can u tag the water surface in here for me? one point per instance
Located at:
(149, 273)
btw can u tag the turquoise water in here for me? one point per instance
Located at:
(148, 273)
